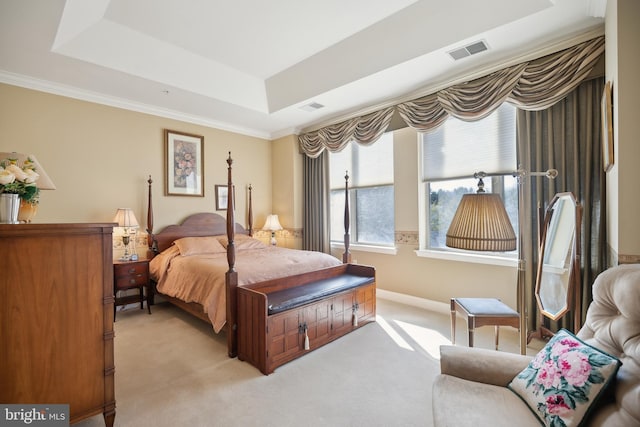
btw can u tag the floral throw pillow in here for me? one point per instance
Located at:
(564, 380)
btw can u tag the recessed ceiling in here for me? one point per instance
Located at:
(252, 66)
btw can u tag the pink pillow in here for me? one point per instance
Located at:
(243, 241)
(199, 245)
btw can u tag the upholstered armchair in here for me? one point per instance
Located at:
(472, 389)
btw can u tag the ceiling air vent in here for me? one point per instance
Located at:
(312, 106)
(471, 49)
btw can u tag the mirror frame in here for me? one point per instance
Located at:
(574, 293)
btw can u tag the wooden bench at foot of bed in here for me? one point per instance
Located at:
(280, 320)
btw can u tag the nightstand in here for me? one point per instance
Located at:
(131, 275)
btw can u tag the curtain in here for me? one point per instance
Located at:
(364, 130)
(315, 199)
(566, 137)
(532, 85)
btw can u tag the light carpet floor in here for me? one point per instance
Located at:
(172, 370)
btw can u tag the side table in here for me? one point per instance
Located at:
(130, 275)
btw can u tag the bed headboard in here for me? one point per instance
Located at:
(196, 225)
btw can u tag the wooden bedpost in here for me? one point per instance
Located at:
(250, 214)
(151, 247)
(231, 277)
(346, 256)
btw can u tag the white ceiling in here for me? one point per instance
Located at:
(248, 65)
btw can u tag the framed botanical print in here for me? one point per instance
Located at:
(184, 164)
(607, 127)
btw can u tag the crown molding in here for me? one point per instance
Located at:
(98, 98)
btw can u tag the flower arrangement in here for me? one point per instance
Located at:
(20, 180)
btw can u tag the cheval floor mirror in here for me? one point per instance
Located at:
(557, 288)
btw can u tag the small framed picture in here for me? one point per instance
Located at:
(184, 164)
(222, 197)
(607, 128)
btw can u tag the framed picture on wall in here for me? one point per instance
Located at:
(222, 197)
(607, 127)
(184, 164)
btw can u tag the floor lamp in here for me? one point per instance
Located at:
(481, 223)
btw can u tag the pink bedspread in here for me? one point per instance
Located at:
(201, 278)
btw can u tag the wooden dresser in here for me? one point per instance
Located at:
(56, 317)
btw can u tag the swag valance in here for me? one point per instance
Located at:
(532, 85)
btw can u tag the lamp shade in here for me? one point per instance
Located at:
(481, 223)
(272, 223)
(125, 218)
(43, 182)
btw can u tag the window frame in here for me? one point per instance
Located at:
(424, 250)
(353, 223)
(354, 244)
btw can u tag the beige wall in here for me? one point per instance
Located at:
(100, 157)
(622, 65)
(287, 190)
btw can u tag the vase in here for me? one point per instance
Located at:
(27, 211)
(9, 207)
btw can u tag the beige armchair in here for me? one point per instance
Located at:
(472, 387)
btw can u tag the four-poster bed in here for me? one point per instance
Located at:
(212, 267)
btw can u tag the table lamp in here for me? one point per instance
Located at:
(128, 222)
(272, 224)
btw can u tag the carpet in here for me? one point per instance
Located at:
(173, 370)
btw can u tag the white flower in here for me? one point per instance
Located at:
(18, 172)
(6, 177)
(32, 176)
(19, 180)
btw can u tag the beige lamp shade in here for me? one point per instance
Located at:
(272, 223)
(481, 223)
(43, 182)
(126, 218)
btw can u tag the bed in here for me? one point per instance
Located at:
(199, 264)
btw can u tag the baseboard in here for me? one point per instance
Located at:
(427, 304)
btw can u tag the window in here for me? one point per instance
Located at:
(453, 153)
(444, 198)
(371, 193)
